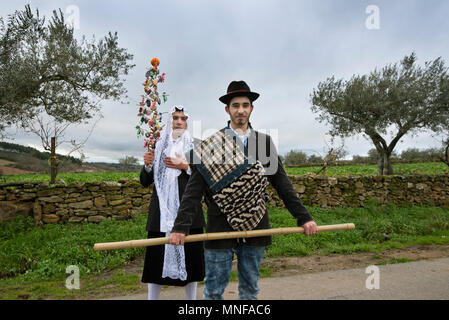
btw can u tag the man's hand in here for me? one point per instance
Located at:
(177, 239)
(310, 228)
(176, 162)
(148, 158)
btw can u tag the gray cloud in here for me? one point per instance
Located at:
(283, 49)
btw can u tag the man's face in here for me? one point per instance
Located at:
(239, 109)
(179, 123)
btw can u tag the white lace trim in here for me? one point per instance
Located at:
(166, 183)
(174, 262)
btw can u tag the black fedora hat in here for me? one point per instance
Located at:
(238, 89)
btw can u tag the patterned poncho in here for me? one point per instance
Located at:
(235, 178)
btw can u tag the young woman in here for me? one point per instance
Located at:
(167, 167)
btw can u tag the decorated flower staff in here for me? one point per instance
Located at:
(166, 167)
(150, 118)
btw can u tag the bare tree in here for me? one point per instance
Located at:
(333, 155)
(128, 162)
(53, 134)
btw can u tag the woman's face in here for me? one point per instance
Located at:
(179, 123)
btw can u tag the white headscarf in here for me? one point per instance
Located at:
(166, 183)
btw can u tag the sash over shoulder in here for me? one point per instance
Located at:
(234, 177)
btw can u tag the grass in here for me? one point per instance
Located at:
(403, 226)
(70, 177)
(399, 169)
(45, 252)
(431, 168)
(33, 260)
(395, 260)
(117, 283)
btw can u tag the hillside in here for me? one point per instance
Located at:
(18, 159)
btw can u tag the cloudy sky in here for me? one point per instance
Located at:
(282, 49)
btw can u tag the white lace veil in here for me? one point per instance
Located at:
(166, 183)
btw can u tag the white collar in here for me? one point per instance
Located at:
(247, 133)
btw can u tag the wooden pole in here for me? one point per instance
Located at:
(216, 236)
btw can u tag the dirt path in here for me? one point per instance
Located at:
(418, 280)
(291, 267)
(287, 266)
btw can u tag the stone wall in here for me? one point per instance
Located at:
(354, 191)
(75, 202)
(98, 201)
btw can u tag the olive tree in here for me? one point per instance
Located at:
(403, 98)
(49, 79)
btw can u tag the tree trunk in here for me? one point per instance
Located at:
(53, 163)
(384, 166)
(446, 155)
(380, 165)
(383, 151)
(388, 169)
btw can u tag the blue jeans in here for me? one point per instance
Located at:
(218, 264)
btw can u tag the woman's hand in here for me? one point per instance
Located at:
(176, 162)
(148, 158)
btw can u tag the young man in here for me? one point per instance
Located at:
(170, 172)
(235, 193)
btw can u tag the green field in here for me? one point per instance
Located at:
(72, 177)
(432, 168)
